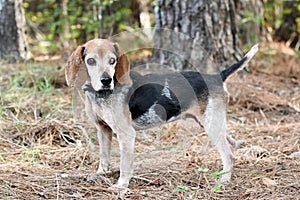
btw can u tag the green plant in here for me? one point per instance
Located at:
(218, 174)
(218, 187)
(181, 188)
(191, 192)
(215, 175)
(28, 90)
(31, 155)
(5, 195)
(52, 23)
(272, 14)
(204, 170)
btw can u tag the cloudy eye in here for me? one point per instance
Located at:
(91, 61)
(112, 61)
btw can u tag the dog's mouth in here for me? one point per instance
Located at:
(105, 88)
(103, 92)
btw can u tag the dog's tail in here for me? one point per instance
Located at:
(241, 64)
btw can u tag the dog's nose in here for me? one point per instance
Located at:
(106, 80)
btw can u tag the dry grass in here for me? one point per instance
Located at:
(44, 154)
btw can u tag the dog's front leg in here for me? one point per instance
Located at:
(126, 142)
(104, 137)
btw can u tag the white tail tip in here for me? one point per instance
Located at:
(252, 52)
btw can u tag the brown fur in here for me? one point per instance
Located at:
(123, 66)
(76, 73)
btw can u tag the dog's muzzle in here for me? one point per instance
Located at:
(106, 81)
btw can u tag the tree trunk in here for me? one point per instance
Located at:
(13, 43)
(250, 15)
(141, 14)
(66, 26)
(200, 34)
(289, 30)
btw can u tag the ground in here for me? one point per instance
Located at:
(48, 149)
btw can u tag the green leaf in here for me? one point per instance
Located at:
(217, 174)
(217, 188)
(203, 169)
(180, 188)
(287, 11)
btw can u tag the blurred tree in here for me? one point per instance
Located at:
(13, 43)
(289, 30)
(249, 20)
(140, 13)
(54, 24)
(208, 30)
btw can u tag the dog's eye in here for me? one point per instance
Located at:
(112, 61)
(91, 61)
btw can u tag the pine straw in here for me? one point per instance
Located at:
(49, 158)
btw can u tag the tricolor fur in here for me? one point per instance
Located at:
(121, 101)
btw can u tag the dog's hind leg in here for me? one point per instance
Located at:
(214, 123)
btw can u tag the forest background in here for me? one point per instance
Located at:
(48, 148)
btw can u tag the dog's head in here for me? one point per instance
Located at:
(99, 61)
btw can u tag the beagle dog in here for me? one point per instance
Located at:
(121, 101)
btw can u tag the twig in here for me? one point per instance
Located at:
(74, 176)
(100, 18)
(142, 179)
(65, 175)
(57, 187)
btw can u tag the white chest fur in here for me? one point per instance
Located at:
(113, 110)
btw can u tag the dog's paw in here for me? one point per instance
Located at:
(225, 178)
(121, 190)
(102, 170)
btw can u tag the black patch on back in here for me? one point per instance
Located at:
(197, 82)
(184, 89)
(150, 94)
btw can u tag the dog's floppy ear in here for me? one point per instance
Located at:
(75, 71)
(122, 67)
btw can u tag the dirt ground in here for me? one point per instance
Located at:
(48, 156)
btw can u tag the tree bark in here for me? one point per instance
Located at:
(13, 43)
(201, 34)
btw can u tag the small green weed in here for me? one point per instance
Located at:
(218, 174)
(191, 192)
(204, 170)
(30, 156)
(5, 195)
(218, 187)
(215, 175)
(181, 188)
